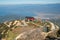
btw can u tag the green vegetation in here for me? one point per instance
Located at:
(3, 30)
(11, 35)
(58, 33)
(7, 32)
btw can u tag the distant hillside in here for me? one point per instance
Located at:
(11, 18)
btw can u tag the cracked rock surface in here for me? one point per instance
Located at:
(35, 34)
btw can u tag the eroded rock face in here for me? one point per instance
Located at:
(34, 34)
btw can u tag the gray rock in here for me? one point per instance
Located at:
(34, 34)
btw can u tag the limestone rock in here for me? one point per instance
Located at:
(34, 34)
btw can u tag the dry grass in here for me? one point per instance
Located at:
(35, 35)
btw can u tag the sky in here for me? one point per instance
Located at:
(29, 1)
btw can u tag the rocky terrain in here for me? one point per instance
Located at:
(31, 30)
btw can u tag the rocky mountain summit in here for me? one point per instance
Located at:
(30, 30)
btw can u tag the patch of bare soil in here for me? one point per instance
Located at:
(32, 34)
(21, 29)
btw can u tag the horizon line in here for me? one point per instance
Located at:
(26, 3)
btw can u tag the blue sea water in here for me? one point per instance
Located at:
(28, 10)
